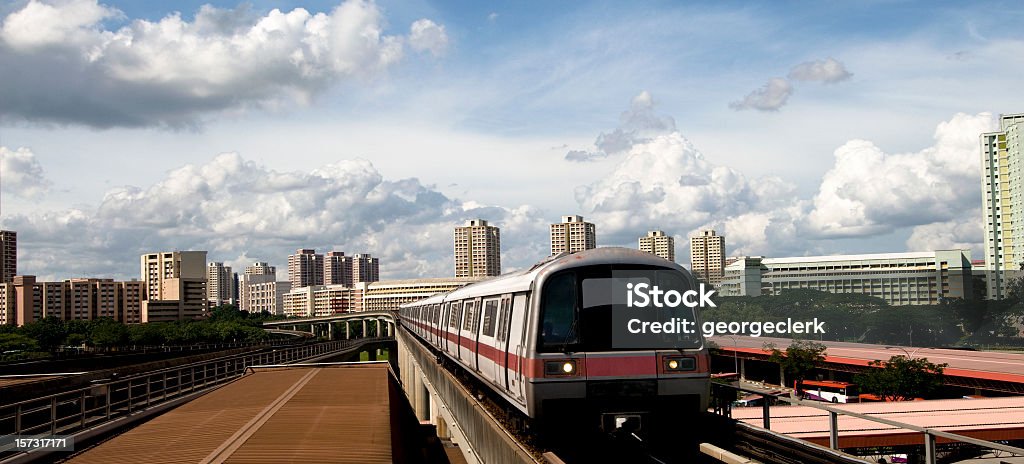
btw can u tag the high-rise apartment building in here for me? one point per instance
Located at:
(258, 273)
(572, 234)
(260, 268)
(7, 306)
(365, 268)
(477, 249)
(220, 284)
(267, 296)
(159, 268)
(306, 268)
(1002, 185)
(656, 242)
(175, 285)
(707, 256)
(8, 255)
(338, 269)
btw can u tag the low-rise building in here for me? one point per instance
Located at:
(914, 278)
(27, 300)
(386, 295)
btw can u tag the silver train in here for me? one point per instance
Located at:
(541, 339)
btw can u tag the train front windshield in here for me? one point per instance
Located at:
(582, 309)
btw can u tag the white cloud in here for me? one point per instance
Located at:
(930, 195)
(961, 233)
(426, 35)
(237, 209)
(667, 184)
(21, 174)
(828, 71)
(770, 97)
(870, 192)
(492, 17)
(637, 125)
(65, 67)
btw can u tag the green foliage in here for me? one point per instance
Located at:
(107, 333)
(226, 325)
(48, 333)
(17, 342)
(799, 359)
(76, 339)
(901, 378)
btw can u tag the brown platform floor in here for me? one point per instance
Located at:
(279, 415)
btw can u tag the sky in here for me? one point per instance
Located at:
(253, 129)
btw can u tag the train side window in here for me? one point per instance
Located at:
(453, 321)
(559, 312)
(503, 319)
(490, 314)
(506, 313)
(470, 320)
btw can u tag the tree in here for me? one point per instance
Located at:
(799, 359)
(901, 378)
(108, 333)
(16, 342)
(49, 332)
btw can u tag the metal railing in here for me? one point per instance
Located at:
(80, 409)
(723, 395)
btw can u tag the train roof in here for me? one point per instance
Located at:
(522, 280)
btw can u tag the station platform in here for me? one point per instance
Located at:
(343, 413)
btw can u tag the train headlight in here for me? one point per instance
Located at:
(679, 363)
(560, 367)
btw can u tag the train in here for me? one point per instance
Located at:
(542, 340)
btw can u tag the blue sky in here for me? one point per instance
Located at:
(792, 127)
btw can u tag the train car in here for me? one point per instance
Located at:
(541, 339)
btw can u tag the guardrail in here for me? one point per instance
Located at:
(80, 409)
(722, 396)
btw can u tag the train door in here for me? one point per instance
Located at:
(429, 323)
(487, 355)
(434, 308)
(501, 342)
(454, 329)
(519, 320)
(442, 326)
(437, 324)
(468, 335)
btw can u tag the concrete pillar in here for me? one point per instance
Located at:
(743, 369)
(782, 376)
(420, 402)
(364, 328)
(442, 427)
(348, 333)
(330, 331)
